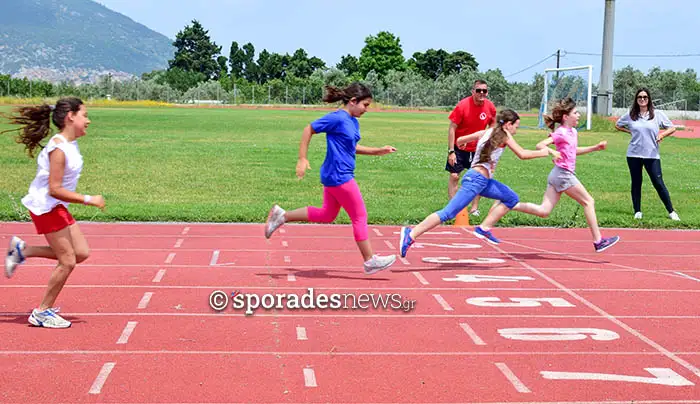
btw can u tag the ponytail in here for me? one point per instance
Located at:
(36, 121)
(499, 135)
(356, 90)
(561, 108)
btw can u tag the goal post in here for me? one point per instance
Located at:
(575, 82)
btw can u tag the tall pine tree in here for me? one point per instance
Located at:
(196, 52)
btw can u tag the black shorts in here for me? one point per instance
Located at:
(464, 161)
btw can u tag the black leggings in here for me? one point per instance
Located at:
(653, 167)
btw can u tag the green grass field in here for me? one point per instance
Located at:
(231, 165)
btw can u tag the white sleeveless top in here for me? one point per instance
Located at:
(493, 159)
(38, 200)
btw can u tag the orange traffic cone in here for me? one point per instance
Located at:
(462, 219)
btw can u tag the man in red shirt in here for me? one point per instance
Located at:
(472, 114)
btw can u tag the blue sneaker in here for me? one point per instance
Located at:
(14, 255)
(605, 243)
(487, 235)
(405, 241)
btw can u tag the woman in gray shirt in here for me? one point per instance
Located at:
(643, 123)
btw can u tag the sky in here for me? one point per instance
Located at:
(511, 35)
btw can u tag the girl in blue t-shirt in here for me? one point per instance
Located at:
(338, 172)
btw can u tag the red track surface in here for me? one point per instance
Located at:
(692, 129)
(143, 330)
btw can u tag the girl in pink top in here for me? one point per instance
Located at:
(562, 178)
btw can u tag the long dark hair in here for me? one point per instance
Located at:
(499, 135)
(634, 111)
(355, 90)
(35, 121)
(561, 108)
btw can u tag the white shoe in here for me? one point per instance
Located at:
(475, 213)
(638, 215)
(14, 255)
(48, 319)
(378, 263)
(275, 219)
(674, 216)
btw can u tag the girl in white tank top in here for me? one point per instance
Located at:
(59, 166)
(493, 157)
(39, 200)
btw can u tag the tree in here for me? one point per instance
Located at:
(430, 64)
(627, 80)
(498, 86)
(299, 64)
(381, 54)
(537, 90)
(316, 63)
(236, 60)
(222, 62)
(348, 64)
(251, 72)
(153, 75)
(195, 51)
(272, 66)
(183, 80)
(262, 64)
(459, 61)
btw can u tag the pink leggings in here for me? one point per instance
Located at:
(348, 197)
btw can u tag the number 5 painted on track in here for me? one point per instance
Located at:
(519, 302)
(662, 376)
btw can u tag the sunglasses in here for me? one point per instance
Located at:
(481, 90)
(643, 97)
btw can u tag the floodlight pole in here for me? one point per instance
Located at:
(605, 87)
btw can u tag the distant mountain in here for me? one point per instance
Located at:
(76, 40)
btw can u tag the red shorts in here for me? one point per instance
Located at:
(58, 219)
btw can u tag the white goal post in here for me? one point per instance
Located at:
(575, 82)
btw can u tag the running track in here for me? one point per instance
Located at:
(540, 318)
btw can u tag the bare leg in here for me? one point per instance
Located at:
(297, 215)
(475, 204)
(581, 195)
(365, 249)
(549, 201)
(430, 222)
(497, 212)
(62, 244)
(39, 252)
(453, 185)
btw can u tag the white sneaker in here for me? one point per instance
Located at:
(378, 263)
(14, 255)
(674, 216)
(275, 219)
(48, 319)
(475, 213)
(638, 215)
